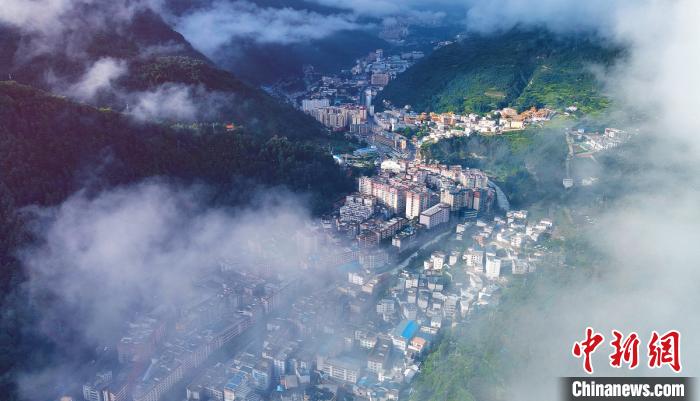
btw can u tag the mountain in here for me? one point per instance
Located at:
(157, 57)
(518, 68)
(51, 147)
(266, 63)
(262, 62)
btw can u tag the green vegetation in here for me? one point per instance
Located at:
(261, 63)
(483, 358)
(479, 360)
(48, 144)
(220, 96)
(514, 160)
(517, 68)
(566, 77)
(225, 98)
(51, 147)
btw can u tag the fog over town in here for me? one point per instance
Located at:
(309, 234)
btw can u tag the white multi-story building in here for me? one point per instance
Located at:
(343, 369)
(474, 259)
(357, 208)
(437, 260)
(493, 266)
(520, 266)
(417, 200)
(386, 307)
(436, 215)
(389, 193)
(307, 105)
(356, 278)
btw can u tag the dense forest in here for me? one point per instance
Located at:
(50, 147)
(521, 69)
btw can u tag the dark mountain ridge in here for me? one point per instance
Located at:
(156, 55)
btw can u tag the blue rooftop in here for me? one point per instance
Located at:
(410, 329)
(235, 381)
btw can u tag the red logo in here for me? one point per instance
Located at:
(665, 350)
(587, 347)
(662, 349)
(626, 351)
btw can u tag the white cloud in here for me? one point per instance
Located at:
(146, 245)
(388, 8)
(66, 26)
(647, 280)
(210, 28)
(168, 101)
(100, 76)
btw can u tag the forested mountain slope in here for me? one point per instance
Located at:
(517, 68)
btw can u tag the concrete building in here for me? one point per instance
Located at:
(357, 208)
(184, 354)
(373, 259)
(105, 387)
(417, 200)
(493, 266)
(390, 194)
(339, 118)
(386, 306)
(378, 359)
(458, 198)
(435, 216)
(521, 266)
(344, 369)
(437, 260)
(380, 79)
(308, 105)
(474, 259)
(409, 311)
(356, 278)
(403, 240)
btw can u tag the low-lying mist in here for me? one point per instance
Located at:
(99, 261)
(644, 276)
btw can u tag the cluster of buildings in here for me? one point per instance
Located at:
(362, 331)
(381, 69)
(592, 142)
(380, 335)
(581, 165)
(436, 126)
(341, 118)
(506, 245)
(406, 201)
(410, 189)
(408, 198)
(344, 103)
(362, 326)
(279, 366)
(364, 335)
(161, 348)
